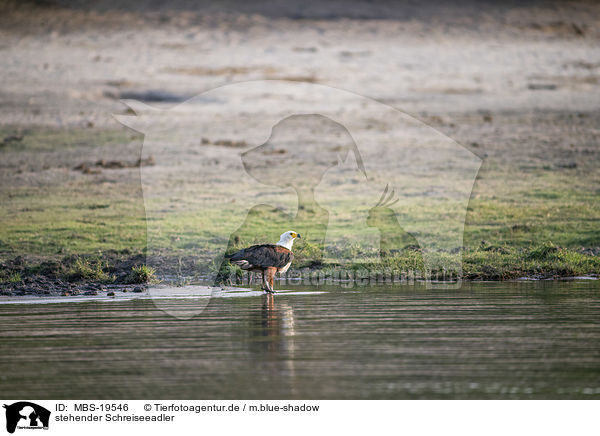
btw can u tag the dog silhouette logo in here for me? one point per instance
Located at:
(26, 415)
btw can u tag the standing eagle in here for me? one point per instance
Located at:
(267, 258)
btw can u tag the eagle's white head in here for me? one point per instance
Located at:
(287, 239)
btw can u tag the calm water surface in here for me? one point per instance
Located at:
(490, 340)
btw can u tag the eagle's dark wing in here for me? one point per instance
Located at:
(263, 256)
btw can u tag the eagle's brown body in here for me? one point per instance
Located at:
(267, 258)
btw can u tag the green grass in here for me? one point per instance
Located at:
(543, 260)
(142, 274)
(533, 222)
(86, 269)
(10, 277)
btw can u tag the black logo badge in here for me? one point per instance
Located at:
(26, 415)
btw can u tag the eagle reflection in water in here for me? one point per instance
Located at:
(272, 329)
(272, 332)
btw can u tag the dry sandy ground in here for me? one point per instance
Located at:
(69, 66)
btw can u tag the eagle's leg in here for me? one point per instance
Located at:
(265, 286)
(270, 275)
